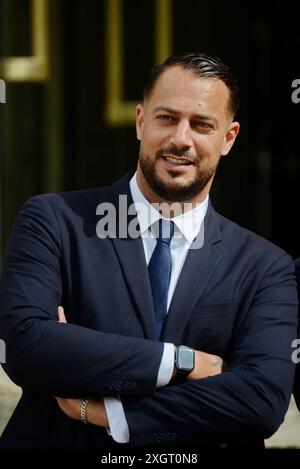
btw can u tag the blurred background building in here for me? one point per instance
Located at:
(75, 70)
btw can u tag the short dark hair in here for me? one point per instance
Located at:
(203, 66)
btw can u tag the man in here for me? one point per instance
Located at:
(297, 377)
(132, 301)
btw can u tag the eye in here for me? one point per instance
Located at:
(165, 117)
(200, 125)
(205, 125)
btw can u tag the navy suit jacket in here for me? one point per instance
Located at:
(236, 297)
(297, 378)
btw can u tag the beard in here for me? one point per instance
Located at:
(175, 191)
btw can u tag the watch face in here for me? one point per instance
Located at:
(185, 359)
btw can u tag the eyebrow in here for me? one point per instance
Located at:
(202, 115)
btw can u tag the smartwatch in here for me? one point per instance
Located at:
(184, 362)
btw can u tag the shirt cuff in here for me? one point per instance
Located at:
(118, 427)
(166, 368)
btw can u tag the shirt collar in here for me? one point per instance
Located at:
(188, 223)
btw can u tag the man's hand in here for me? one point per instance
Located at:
(206, 365)
(61, 314)
(95, 412)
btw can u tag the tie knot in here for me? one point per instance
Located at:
(165, 231)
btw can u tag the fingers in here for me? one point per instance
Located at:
(61, 314)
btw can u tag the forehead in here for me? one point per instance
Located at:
(182, 88)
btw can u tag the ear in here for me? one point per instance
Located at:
(230, 137)
(139, 121)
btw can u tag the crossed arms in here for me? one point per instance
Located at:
(251, 397)
(205, 365)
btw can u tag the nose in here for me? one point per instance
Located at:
(182, 135)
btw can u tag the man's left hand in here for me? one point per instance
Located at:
(95, 411)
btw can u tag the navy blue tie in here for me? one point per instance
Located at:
(159, 268)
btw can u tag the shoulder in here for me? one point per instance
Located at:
(73, 203)
(250, 246)
(57, 199)
(82, 202)
(56, 215)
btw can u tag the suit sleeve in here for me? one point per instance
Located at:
(50, 357)
(248, 400)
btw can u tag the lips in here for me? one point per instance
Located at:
(177, 161)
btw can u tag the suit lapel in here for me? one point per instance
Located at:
(131, 256)
(196, 273)
(133, 263)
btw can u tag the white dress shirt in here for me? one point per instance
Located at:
(186, 228)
